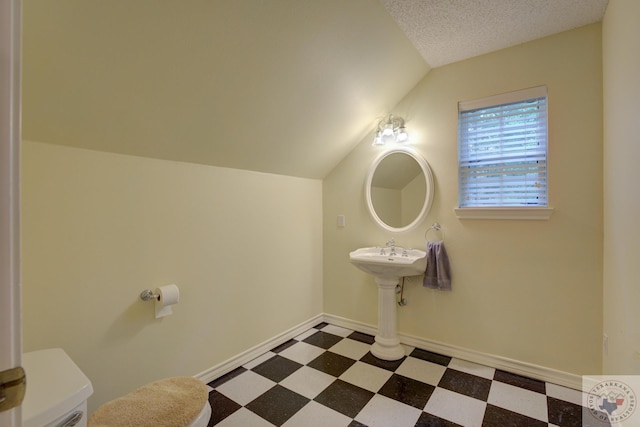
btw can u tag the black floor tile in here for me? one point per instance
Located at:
(389, 365)
(321, 325)
(277, 368)
(428, 420)
(563, 413)
(406, 390)
(346, 398)
(498, 417)
(354, 423)
(520, 381)
(594, 419)
(284, 346)
(277, 405)
(331, 363)
(467, 384)
(431, 357)
(221, 407)
(365, 338)
(226, 377)
(322, 339)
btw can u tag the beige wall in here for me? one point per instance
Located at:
(97, 228)
(621, 36)
(527, 290)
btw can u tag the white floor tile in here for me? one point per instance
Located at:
(337, 330)
(520, 400)
(308, 382)
(306, 334)
(456, 407)
(351, 348)
(384, 412)
(407, 349)
(245, 418)
(258, 360)
(316, 415)
(472, 368)
(302, 352)
(245, 387)
(421, 370)
(564, 393)
(367, 376)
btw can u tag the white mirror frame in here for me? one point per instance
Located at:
(428, 200)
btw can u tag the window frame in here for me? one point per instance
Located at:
(522, 212)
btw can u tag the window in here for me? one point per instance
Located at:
(502, 153)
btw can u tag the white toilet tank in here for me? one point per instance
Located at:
(57, 390)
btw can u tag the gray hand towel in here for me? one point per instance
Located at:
(437, 274)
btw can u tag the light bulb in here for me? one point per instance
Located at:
(403, 136)
(378, 139)
(387, 135)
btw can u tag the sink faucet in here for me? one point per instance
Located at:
(392, 245)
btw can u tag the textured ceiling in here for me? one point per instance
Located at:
(446, 31)
(279, 86)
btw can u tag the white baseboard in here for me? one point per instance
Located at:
(250, 354)
(510, 365)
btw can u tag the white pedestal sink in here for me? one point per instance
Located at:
(388, 265)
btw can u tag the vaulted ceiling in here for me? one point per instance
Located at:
(278, 86)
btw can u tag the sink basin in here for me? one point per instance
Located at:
(380, 262)
(388, 265)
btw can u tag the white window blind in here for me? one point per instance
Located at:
(502, 150)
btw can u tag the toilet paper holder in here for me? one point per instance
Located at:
(148, 295)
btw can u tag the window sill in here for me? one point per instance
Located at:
(541, 214)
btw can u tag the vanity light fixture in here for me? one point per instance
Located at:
(391, 130)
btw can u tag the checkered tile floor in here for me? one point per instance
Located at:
(327, 377)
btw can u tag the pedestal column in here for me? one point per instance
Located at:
(387, 345)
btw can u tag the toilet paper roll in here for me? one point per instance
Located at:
(169, 296)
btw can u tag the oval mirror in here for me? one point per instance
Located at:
(399, 189)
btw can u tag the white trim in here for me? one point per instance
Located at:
(522, 213)
(10, 113)
(526, 369)
(250, 354)
(503, 98)
(530, 370)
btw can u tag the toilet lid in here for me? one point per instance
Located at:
(55, 386)
(170, 402)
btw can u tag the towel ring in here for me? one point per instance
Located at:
(435, 227)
